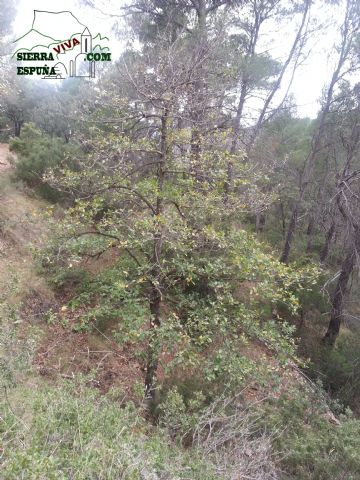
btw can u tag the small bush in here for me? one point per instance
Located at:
(339, 369)
(311, 442)
(36, 153)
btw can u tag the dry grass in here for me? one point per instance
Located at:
(61, 352)
(21, 229)
(229, 434)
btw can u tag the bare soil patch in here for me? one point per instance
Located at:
(4, 151)
(65, 353)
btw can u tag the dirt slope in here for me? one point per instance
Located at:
(21, 228)
(4, 165)
(61, 351)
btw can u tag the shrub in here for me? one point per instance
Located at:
(338, 368)
(311, 442)
(36, 153)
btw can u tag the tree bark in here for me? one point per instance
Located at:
(338, 299)
(198, 94)
(259, 222)
(328, 241)
(310, 233)
(234, 142)
(17, 128)
(290, 233)
(156, 282)
(283, 219)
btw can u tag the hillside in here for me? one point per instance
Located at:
(55, 370)
(60, 352)
(180, 242)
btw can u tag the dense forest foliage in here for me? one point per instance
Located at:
(189, 306)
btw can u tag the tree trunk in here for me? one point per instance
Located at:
(310, 233)
(347, 268)
(283, 220)
(238, 117)
(289, 234)
(155, 301)
(195, 148)
(328, 241)
(234, 141)
(156, 282)
(259, 222)
(17, 128)
(228, 181)
(198, 95)
(338, 299)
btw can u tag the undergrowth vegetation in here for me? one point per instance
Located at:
(35, 153)
(181, 302)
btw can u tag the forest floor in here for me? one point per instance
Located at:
(60, 352)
